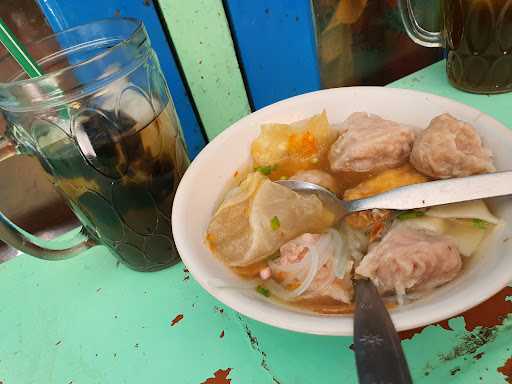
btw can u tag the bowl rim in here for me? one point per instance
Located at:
(178, 213)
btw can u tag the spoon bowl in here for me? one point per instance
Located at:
(415, 196)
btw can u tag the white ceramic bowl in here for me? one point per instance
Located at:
(205, 181)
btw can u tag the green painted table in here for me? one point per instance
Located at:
(91, 320)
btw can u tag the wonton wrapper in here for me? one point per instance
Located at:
(475, 209)
(445, 219)
(466, 236)
(241, 233)
(293, 147)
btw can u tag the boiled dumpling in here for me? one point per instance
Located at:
(450, 148)
(369, 143)
(409, 259)
(285, 149)
(259, 216)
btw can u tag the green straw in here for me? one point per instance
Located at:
(20, 54)
(18, 51)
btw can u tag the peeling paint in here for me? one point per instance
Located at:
(220, 377)
(506, 370)
(470, 343)
(491, 312)
(177, 319)
(408, 335)
(478, 356)
(454, 371)
(459, 355)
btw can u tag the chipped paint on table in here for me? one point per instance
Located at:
(91, 320)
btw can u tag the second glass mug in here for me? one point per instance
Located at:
(102, 124)
(477, 35)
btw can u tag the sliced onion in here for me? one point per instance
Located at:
(313, 270)
(278, 290)
(293, 271)
(326, 284)
(400, 294)
(401, 298)
(340, 254)
(330, 245)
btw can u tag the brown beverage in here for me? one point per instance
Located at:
(121, 184)
(478, 37)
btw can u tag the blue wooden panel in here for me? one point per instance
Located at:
(276, 45)
(62, 14)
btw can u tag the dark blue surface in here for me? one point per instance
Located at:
(63, 14)
(276, 44)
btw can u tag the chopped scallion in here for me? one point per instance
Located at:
(266, 169)
(275, 223)
(410, 215)
(480, 224)
(263, 291)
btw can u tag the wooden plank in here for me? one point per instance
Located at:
(276, 44)
(62, 14)
(200, 33)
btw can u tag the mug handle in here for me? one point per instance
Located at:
(30, 244)
(417, 33)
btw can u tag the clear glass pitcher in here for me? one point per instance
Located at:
(103, 125)
(477, 35)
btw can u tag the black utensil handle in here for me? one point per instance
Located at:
(379, 355)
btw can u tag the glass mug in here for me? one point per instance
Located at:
(477, 35)
(102, 124)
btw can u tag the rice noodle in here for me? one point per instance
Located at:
(329, 249)
(340, 254)
(313, 269)
(318, 254)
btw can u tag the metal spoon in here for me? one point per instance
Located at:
(417, 195)
(379, 354)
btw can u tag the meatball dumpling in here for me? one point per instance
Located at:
(369, 143)
(450, 148)
(409, 259)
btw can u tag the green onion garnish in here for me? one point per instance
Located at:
(275, 223)
(266, 169)
(263, 291)
(410, 215)
(480, 224)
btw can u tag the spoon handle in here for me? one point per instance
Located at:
(379, 354)
(438, 192)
